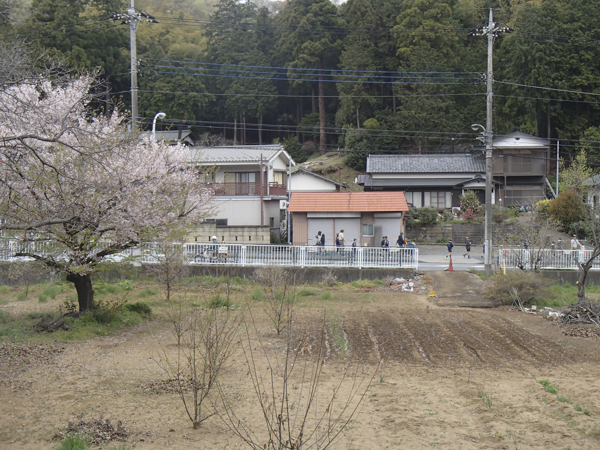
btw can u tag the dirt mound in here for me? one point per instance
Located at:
(459, 289)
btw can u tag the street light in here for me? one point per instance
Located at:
(160, 115)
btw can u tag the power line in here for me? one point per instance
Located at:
(546, 88)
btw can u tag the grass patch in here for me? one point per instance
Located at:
(548, 387)
(366, 284)
(4, 316)
(141, 308)
(337, 332)
(480, 274)
(4, 289)
(50, 292)
(218, 301)
(258, 294)
(22, 296)
(562, 399)
(4, 301)
(326, 295)
(486, 398)
(148, 292)
(577, 407)
(42, 298)
(306, 292)
(74, 442)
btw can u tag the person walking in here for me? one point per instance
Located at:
(467, 247)
(318, 238)
(341, 236)
(354, 244)
(450, 245)
(400, 242)
(575, 244)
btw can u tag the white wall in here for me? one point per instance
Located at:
(303, 182)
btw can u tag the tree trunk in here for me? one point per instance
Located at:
(85, 292)
(322, 117)
(584, 268)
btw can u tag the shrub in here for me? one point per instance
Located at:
(306, 292)
(529, 285)
(141, 308)
(470, 201)
(500, 213)
(4, 289)
(447, 215)
(567, 209)
(542, 206)
(329, 278)
(427, 215)
(42, 298)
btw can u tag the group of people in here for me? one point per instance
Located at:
(340, 241)
(467, 253)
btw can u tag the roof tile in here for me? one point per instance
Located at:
(348, 202)
(441, 163)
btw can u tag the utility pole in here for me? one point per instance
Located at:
(133, 17)
(492, 30)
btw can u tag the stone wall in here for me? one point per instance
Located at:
(455, 231)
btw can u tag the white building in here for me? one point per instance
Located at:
(250, 186)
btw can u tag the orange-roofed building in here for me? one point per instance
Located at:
(364, 216)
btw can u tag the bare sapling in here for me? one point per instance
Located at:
(297, 411)
(280, 295)
(205, 342)
(170, 265)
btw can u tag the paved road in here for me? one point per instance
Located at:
(432, 257)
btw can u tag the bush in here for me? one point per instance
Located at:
(4, 316)
(529, 285)
(469, 201)
(542, 206)
(426, 215)
(447, 215)
(567, 209)
(258, 294)
(500, 213)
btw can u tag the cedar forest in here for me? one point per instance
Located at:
(363, 76)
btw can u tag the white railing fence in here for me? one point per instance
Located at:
(538, 259)
(241, 254)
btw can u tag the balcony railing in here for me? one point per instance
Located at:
(247, 189)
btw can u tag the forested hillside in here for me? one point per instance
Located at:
(365, 76)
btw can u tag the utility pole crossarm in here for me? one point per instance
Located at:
(133, 17)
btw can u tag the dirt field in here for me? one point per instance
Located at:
(449, 378)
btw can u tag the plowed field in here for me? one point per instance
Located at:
(443, 377)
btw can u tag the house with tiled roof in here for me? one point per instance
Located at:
(520, 167)
(303, 180)
(250, 186)
(426, 180)
(364, 216)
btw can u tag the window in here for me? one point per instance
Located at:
(367, 229)
(278, 177)
(221, 222)
(438, 200)
(272, 222)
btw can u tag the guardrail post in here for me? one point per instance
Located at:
(243, 256)
(302, 256)
(360, 257)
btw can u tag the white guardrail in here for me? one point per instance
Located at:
(243, 254)
(538, 259)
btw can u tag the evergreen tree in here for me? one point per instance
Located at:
(310, 33)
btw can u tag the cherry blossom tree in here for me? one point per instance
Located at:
(83, 185)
